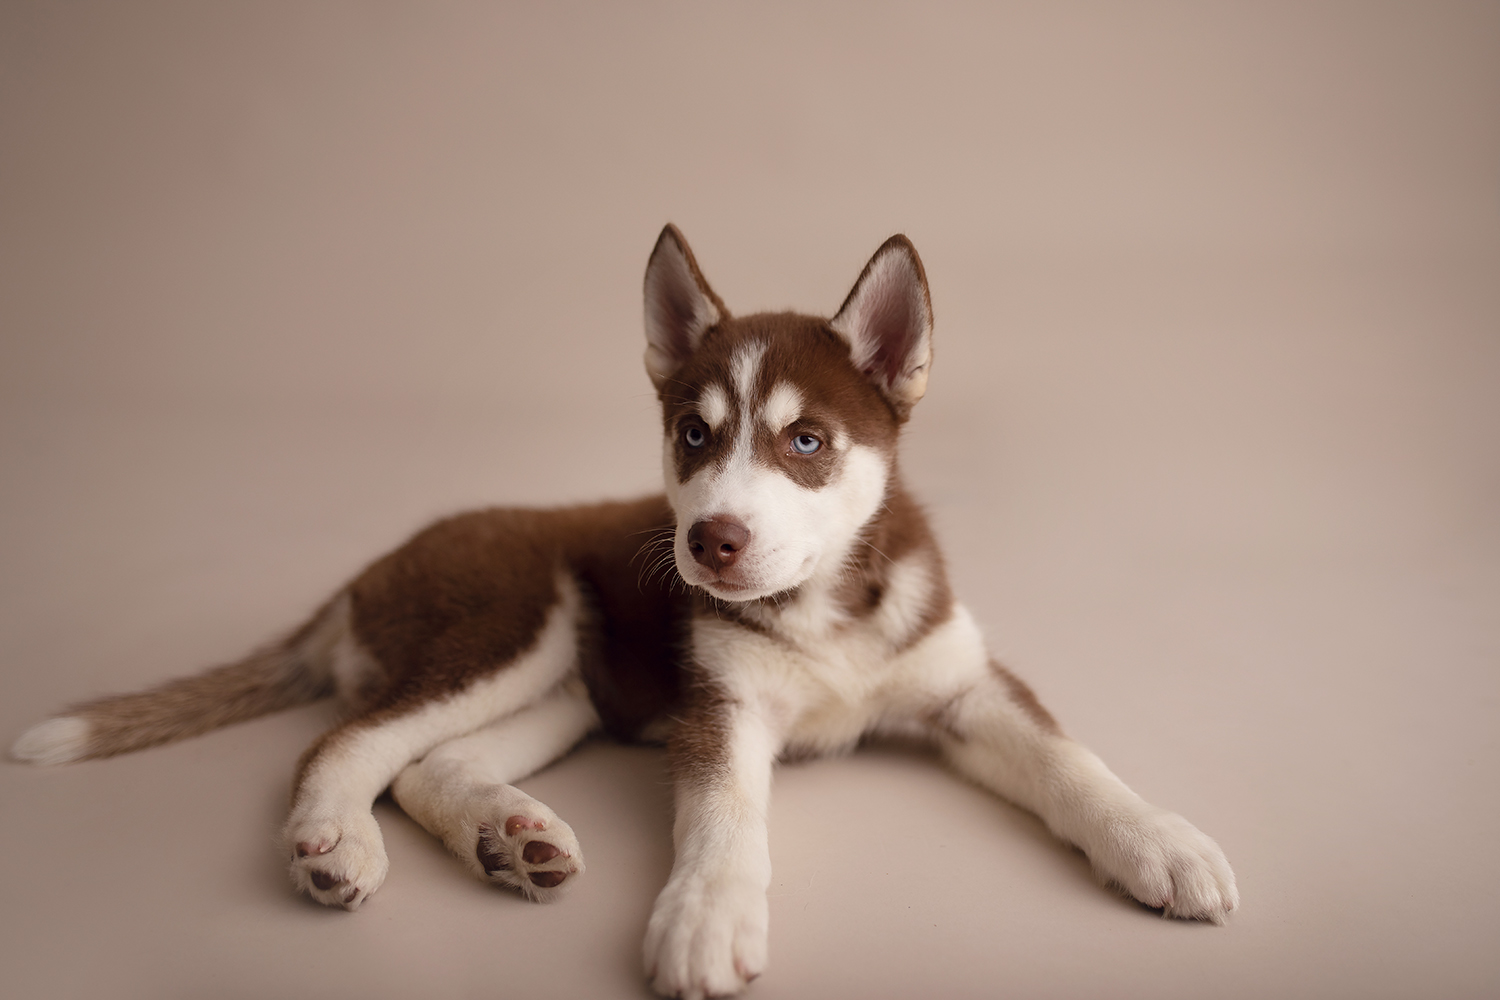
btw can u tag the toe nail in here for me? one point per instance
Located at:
(539, 852)
(323, 880)
(548, 880)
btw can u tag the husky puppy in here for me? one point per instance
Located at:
(816, 611)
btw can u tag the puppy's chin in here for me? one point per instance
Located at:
(729, 592)
(736, 591)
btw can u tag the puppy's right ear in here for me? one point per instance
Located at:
(680, 307)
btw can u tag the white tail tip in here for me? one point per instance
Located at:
(56, 741)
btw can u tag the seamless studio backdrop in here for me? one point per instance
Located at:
(1210, 442)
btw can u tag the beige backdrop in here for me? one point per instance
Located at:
(1211, 442)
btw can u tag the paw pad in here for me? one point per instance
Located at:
(539, 852)
(513, 853)
(310, 847)
(515, 824)
(338, 861)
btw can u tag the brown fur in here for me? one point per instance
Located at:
(1022, 695)
(469, 594)
(698, 749)
(834, 395)
(806, 351)
(268, 680)
(898, 531)
(466, 596)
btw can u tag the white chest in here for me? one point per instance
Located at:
(821, 693)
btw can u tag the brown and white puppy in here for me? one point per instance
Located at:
(816, 612)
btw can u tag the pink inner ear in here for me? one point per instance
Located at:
(677, 313)
(893, 325)
(886, 316)
(679, 304)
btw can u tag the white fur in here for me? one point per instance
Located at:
(332, 812)
(1156, 856)
(744, 367)
(350, 663)
(795, 532)
(713, 406)
(907, 598)
(707, 933)
(782, 406)
(827, 687)
(512, 747)
(56, 741)
(818, 686)
(465, 784)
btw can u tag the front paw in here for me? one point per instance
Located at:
(1167, 863)
(707, 937)
(339, 861)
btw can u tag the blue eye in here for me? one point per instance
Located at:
(805, 444)
(693, 437)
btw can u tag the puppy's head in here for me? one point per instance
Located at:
(780, 429)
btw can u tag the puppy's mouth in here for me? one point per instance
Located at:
(729, 585)
(721, 584)
(731, 591)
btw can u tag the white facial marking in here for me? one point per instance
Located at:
(713, 406)
(796, 533)
(745, 366)
(783, 405)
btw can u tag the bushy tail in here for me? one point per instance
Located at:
(283, 674)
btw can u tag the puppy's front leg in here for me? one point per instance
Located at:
(999, 736)
(707, 935)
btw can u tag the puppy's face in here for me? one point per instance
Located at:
(776, 451)
(780, 429)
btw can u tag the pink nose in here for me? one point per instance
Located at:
(715, 543)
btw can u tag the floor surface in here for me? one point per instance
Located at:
(1212, 442)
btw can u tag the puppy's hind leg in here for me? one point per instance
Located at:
(337, 854)
(461, 793)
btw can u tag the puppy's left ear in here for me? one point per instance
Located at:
(680, 307)
(887, 320)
